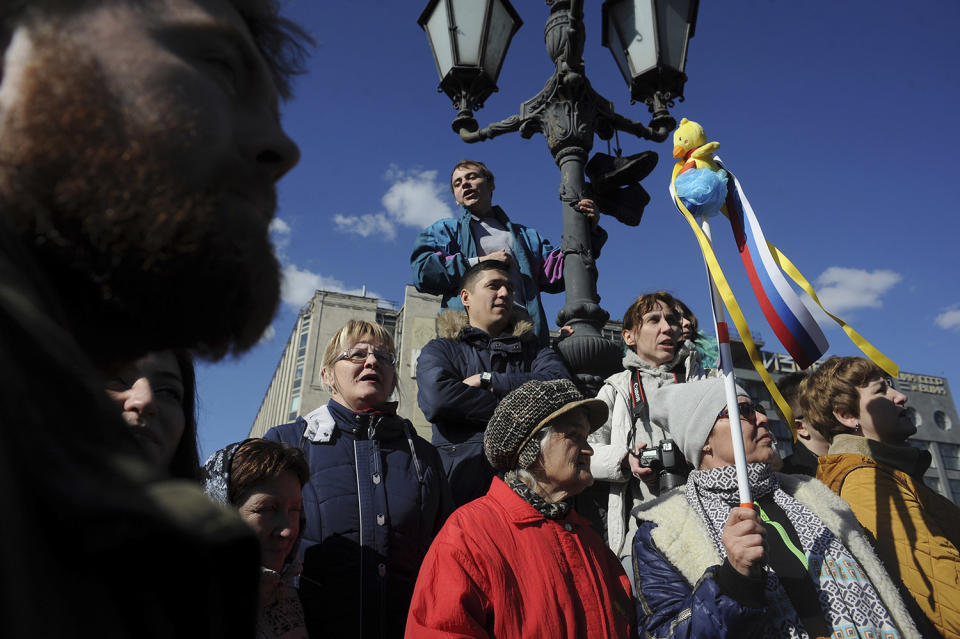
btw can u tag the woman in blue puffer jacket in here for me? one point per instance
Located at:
(376, 497)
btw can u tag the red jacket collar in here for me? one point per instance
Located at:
(520, 512)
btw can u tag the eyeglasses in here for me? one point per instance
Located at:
(747, 410)
(359, 354)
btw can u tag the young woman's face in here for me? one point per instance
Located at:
(655, 336)
(883, 415)
(150, 393)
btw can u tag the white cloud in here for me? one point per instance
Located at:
(366, 225)
(414, 198)
(279, 227)
(279, 233)
(268, 334)
(949, 319)
(300, 284)
(844, 289)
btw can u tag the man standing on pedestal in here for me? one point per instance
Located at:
(481, 355)
(447, 248)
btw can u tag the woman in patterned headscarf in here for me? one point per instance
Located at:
(262, 480)
(795, 564)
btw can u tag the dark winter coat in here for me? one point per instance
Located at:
(459, 413)
(94, 541)
(686, 590)
(376, 498)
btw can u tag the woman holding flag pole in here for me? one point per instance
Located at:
(702, 187)
(793, 564)
(741, 550)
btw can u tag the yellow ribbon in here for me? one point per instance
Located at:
(733, 308)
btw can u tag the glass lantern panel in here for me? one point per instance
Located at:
(616, 46)
(639, 34)
(468, 19)
(439, 35)
(673, 32)
(498, 39)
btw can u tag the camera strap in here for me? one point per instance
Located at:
(638, 401)
(639, 409)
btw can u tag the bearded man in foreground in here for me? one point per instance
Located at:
(139, 147)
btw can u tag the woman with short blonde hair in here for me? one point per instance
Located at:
(376, 497)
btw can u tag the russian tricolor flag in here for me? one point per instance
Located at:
(790, 320)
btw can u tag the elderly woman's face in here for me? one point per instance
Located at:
(758, 442)
(565, 454)
(363, 379)
(273, 512)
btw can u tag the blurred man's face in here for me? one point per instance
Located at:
(141, 146)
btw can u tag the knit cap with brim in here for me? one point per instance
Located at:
(510, 440)
(688, 412)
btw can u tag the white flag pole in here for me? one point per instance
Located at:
(729, 382)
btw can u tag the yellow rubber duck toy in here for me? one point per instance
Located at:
(691, 147)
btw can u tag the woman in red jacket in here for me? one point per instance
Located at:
(519, 562)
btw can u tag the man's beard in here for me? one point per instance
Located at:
(140, 261)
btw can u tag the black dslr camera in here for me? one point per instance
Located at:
(667, 462)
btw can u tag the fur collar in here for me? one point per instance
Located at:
(320, 425)
(683, 539)
(450, 323)
(632, 360)
(912, 461)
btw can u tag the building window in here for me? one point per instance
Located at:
(414, 356)
(955, 489)
(303, 339)
(914, 416)
(295, 405)
(923, 445)
(941, 420)
(950, 454)
(932, 482)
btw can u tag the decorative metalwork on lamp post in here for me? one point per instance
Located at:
(469, 39)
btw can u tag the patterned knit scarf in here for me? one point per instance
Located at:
(850, 603)
(555, 510)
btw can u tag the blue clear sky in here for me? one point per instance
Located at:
(838, 119)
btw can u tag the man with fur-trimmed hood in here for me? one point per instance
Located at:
(481, 354)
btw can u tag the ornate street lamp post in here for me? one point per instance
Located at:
(648, 38)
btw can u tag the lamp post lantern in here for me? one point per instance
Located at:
(648, 40)
(469, 39)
